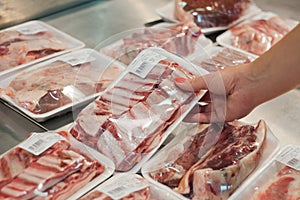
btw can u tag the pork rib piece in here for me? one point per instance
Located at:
(285, 185)
(205, 171)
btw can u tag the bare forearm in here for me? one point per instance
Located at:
(278, 70)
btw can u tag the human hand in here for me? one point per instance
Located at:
(230, 95)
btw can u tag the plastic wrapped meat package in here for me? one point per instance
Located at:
(279, 179)
(32, 42)
(130, 119)
(177, 39)
(258, 34)
(50, 165)
(51, 88)
(210, 161)
(217, 58)
(210, 16)
(128, 186)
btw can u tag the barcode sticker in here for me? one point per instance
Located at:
(144, 62)
(36, 28)
(123, 187)
(37, 143)
(74, 60)
(290, 156)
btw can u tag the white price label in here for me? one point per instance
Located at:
(74, 60)
(290, 157)
(144, 62)
(36, 28)
(123, 187)
(37, 143)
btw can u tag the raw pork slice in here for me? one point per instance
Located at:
(285, 185)
(210, 168)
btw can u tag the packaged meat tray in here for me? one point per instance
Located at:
(49, 166)
(210, 161)
(128, 186)
(176, 39)
(208, 22)
(257, 34)
(217, 58)
(278, 179)
(52, 87)
(31, 42)
(131, 119)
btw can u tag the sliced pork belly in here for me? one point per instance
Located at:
(44, 173)
(16, 160)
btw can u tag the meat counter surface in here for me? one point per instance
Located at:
(96, 21)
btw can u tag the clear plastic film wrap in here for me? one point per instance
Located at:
(49, 166)
(131, 119)
(179, 39)
(208, 14)
(278, 179)
(128, 186)
(32, 42)
(51, 87)
(203, 162)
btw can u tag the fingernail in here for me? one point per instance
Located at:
(180, 79)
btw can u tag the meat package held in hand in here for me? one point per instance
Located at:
(129, 120)
(284, 185)
(51, 86)
(56, 173)
(258, 36)
(210, 164)
(208, 14)
(18, 48)
(177, 39)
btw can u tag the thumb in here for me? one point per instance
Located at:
(191, 84)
